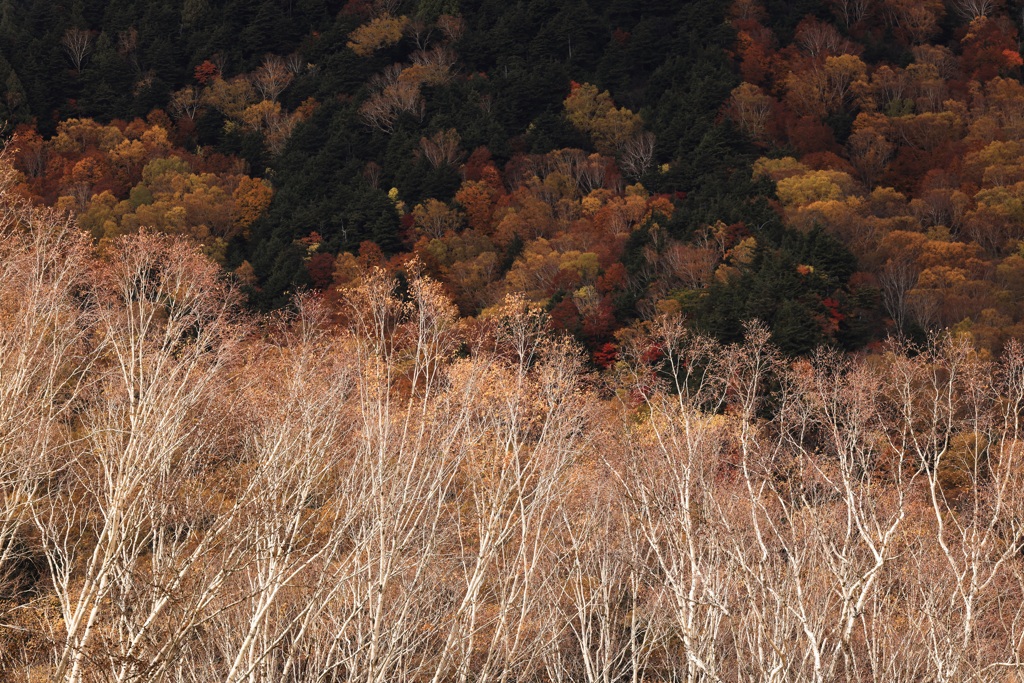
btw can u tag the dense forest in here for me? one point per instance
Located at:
(454, 340)
(583, 154)
(840, 170)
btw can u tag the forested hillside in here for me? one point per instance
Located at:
(583, 154)
(842, 170)
(453, 340)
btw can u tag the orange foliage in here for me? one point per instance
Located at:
(123, 176)
(478, 200)
(252, 198)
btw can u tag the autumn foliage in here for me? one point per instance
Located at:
(923, 187)
(387, 492)
(117, 178)
(439, 341)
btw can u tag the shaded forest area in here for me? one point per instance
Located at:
(841, 170)
(580, 153)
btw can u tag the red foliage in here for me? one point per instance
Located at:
(601, 322)
(827, 161)
(184, 131)
(807, 134)
(478, 161)
(910, 165)
(613, 278)
(478, 199)
(206, 72)
(320, 268)
(830, 325)
(565, 316)
(986, 47)
(158, 117)
(754, 51)
(565, 281)
(517, 170)
(370, 254)
(606, 355)
(862, 280)
(832, 306)
(612, 175)
(357, 8)
(215, 162)
(312, 239)
(653, 354)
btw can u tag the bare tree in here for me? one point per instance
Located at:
(77, 44)
(384, 492)
(452, 27)
(671, 493)
(870, 153)
(898, 277)
(442, 148)
(637, 154)
(185, 103)
(295, 63)
(960, 418)
(972, 9)
(272, 77)
(128, 46)
(394, 95)
(164, 334)
(381, 7)
(372, 172)
(45, 358)
(435, 65)
(851, 12)
(606, 598)
(692, 266)
(420, 31)
(300, 560)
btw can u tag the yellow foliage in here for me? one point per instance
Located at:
(230, 98)
(252, 197)
(256, 116)
(743, 253)
(435, 218)
(585, 264)
(172, 198)
(382, 31)
(777, 169)
(814, 186)
(246, 274)
(591, 203)
(156, 142)
(535, 270)
(77, 135)
(637, 190)
(128, 154)
(751, 109)
(464, 246)
(1001, 162)
(594, 113)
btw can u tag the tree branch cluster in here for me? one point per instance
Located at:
(388, 493)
